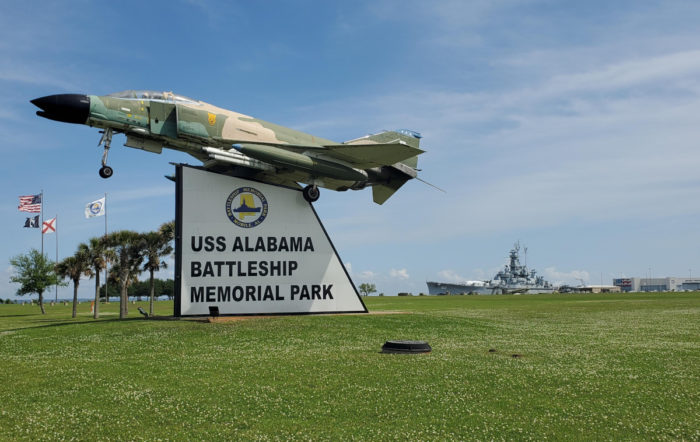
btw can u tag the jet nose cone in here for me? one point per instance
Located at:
(68, 108)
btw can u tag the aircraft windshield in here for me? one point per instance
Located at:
(151, 95)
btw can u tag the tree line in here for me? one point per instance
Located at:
(140, 289)
(129, 253)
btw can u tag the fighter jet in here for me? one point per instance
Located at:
(236, 144)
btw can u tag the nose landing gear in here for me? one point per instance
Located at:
(105, 170)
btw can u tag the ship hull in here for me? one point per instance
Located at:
(446, 288)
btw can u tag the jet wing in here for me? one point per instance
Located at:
(366, 156)
(360, 156)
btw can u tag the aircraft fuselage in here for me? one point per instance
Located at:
(226, 140)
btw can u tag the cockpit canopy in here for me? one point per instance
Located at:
(151, 95)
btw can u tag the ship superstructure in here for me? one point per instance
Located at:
(514, 278)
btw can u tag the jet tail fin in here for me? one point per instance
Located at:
(410, 137)
(401, 171)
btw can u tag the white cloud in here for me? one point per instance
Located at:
(453, 24)
(399, 274)
(654, 70)
(557, 277)
(368, 275)
(450, 276)
(364, 276)
(603, 143)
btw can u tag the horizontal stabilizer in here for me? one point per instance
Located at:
(366, 156)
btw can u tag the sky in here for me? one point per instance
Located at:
(571, 127)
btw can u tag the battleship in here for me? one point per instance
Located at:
(514, 278)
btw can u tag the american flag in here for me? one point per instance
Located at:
(30, 203)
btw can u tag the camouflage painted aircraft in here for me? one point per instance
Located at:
(239, 145)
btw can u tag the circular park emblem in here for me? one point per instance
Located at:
(95, 208)
(246, 207)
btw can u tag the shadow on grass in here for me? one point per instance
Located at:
(63, 322)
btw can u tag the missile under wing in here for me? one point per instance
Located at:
(237, 144)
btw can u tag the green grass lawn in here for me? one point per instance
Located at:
(622, 366)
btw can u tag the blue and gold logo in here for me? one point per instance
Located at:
(95, 208)
(246, 207)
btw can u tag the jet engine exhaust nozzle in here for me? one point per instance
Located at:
(67, 108)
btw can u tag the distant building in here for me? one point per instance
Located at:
(601, 289)
(669, 284)
(690, 284)
(590, 289)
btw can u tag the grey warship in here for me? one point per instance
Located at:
(514, 278)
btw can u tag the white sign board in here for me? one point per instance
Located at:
(250, 248)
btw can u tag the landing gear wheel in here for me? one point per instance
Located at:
(311, 193)
(106, 172)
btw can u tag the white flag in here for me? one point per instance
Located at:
(95, 208)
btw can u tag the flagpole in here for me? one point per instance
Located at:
(41, 226)
(56, 232)
(106, 262)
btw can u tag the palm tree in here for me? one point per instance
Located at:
(98, 256)
(167, 230)
(155, 245)
(74, 267)
(126, 245)
(115, 278)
